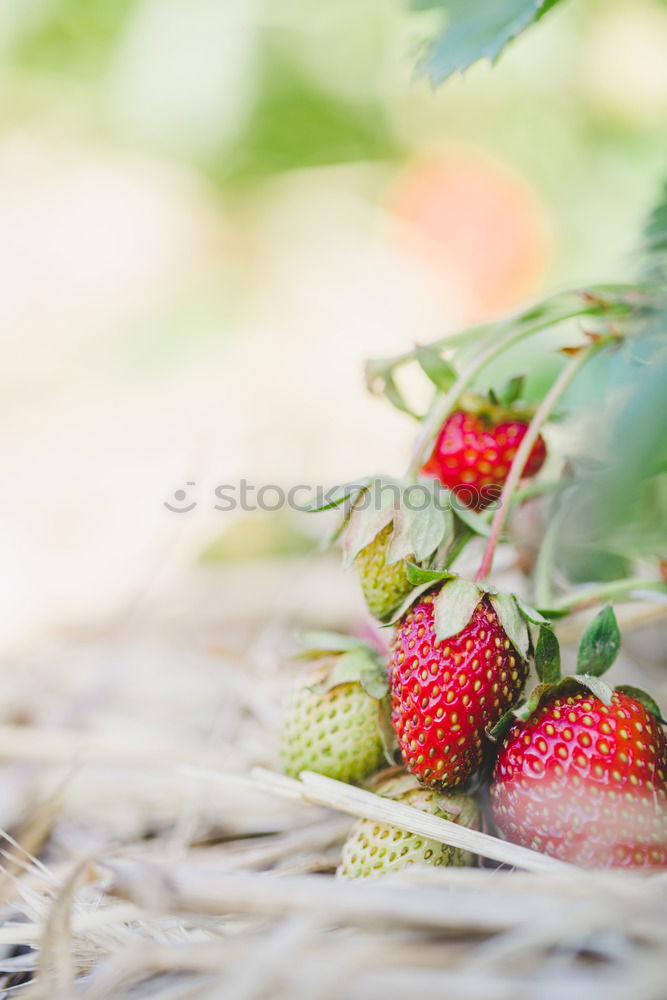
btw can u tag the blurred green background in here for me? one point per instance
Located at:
(212, 212)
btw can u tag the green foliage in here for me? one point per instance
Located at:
(476, 31)
(73, 37)
(453, 607)
(547, 656)
(644, 698)
(600, 644)
(654, 245)
(295, 124)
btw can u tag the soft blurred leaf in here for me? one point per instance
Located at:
(476, 30)
(259, 536)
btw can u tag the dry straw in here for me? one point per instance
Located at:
(186, 868)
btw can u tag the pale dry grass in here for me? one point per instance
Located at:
(154, 851)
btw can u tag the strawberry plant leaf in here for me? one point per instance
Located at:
(396, 398)
(479, 523)
(358, 666)
(598, 687)
(547, 656)
(453, 607)
(644, 698)
(405, 606)
(439, 371)
(386, 730)
(374, 509)
(600, 644)
(322, 641)
(416, 575)
(512, 621)
(531, 614)
(512, 391)
(339, 494)
(400, 545)
(427, 528)
(477, 31)
(534, 699)
(501, 727)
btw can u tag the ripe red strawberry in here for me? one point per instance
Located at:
(473, 454)
(445, 693)
(585, 782)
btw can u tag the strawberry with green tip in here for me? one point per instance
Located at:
(457, 664)
(375, 848)
(333, 719)
(384, 585)
(391, 525)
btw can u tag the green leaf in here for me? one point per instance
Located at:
(416, 575)
(426, 528)
(644, 698)
(322, 641)
(512, 621)
(396, 397)
(600, 644)
(339, 494)
(440, 372)
(386, 730)
(512, 391)
(547, 656)
(535, 699)
(453, 607)
(358, 666)
(501, 727)
(400, 544)
(530, 614)
(374, 509)
(479, 523)
(407, 603)
(476, 30)
(373, 679)
(598, 687)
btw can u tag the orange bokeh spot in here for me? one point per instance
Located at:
(477, 224)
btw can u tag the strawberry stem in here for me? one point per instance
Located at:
(603, 301)
(500, 336)
(542, 414)
(605, 591)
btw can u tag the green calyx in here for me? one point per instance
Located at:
(388, 523)
(598, 649)
(456, 599)
(390, 529)
(336, 720)
(499, 407)
(348, 660)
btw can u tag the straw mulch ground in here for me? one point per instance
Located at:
(152, 851)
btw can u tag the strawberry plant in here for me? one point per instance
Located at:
(576, 769)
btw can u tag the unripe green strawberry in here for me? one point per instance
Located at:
(385, 586)
(375, 849)
(332, 718)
